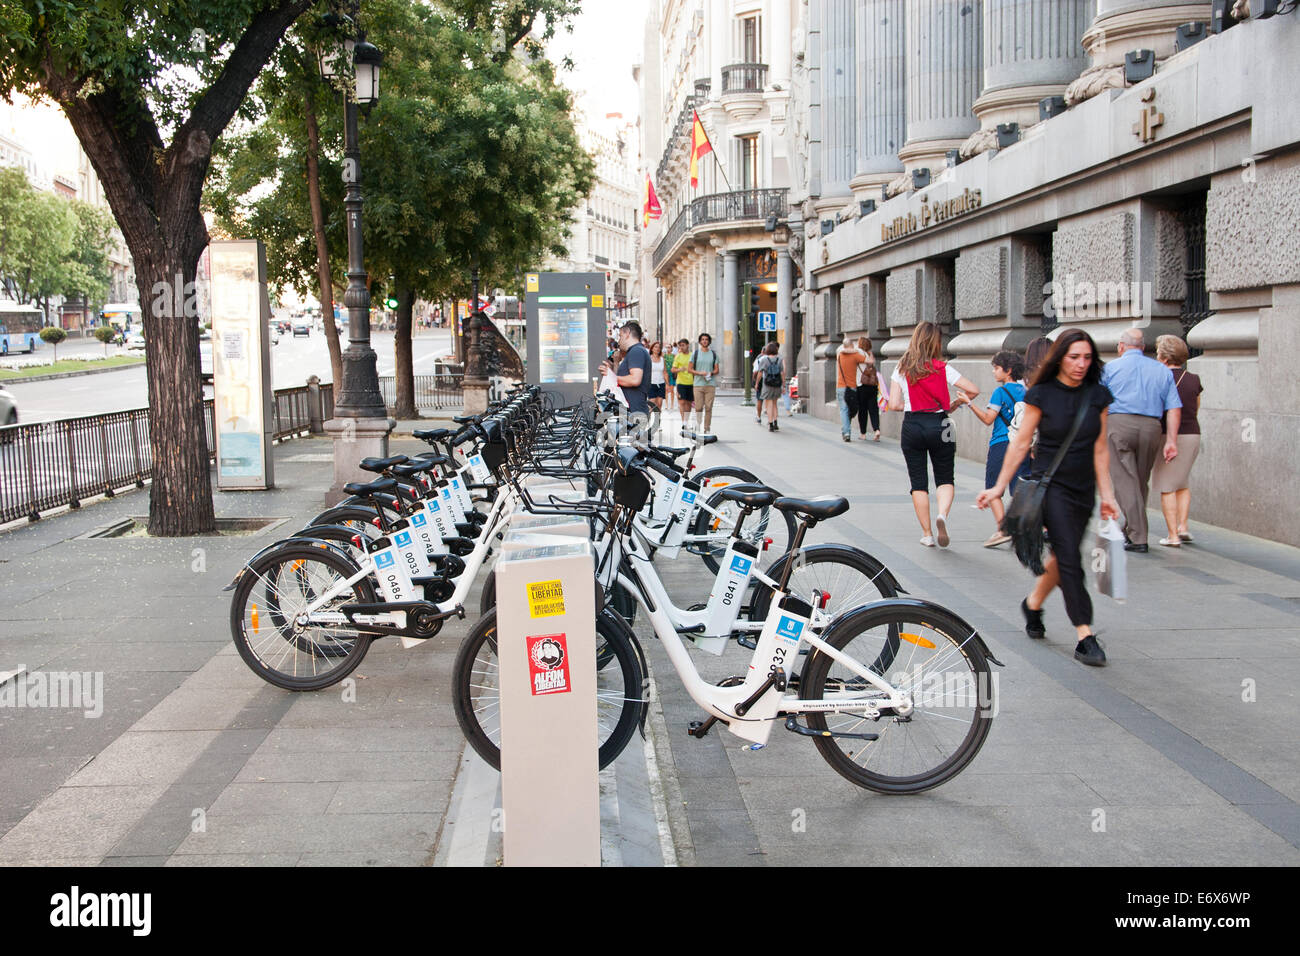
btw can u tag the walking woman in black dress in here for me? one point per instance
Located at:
(1070, 374)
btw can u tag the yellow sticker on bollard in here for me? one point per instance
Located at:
(545, 598)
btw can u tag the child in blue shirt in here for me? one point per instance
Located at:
(1000, 412)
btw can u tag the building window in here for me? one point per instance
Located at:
(1196, 301)
(751, 40)
(748, 162)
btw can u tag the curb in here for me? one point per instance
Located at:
(55, 375)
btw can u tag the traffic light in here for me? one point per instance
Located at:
(391, 303)
(749, 298)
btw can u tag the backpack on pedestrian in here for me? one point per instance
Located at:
(773, 372)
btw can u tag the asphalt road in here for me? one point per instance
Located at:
(294, 360)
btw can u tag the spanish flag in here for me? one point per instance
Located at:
(700, 145)
(651, 208)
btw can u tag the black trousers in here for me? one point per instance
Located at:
(932, 434)
(867, 406)
(1066, 514)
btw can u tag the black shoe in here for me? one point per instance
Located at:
(776, 427)
(1136, 548)
(1088, 651)
(771, 426)
(1033, 621)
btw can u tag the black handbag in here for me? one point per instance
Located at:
(1024, 517)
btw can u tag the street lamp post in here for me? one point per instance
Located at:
(360, 426)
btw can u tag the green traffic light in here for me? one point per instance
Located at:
(392, 303)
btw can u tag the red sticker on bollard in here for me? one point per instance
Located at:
(548, 664)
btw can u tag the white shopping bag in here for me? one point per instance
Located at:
(1109, 560)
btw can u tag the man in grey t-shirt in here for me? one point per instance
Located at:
(704, 366)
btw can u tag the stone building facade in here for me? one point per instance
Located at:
(729, 62)
(1041, 184)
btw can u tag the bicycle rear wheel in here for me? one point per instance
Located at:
(619, 693)
(272, 592)
(763, 523)
(936, 659)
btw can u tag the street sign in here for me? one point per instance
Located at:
(767, 321)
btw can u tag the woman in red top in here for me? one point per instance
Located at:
(919, 388)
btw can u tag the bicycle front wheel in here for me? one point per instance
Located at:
(476, 692)
(934, 658)
(272, 593)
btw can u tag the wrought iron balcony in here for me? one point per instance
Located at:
(744, 78)
(739, 205)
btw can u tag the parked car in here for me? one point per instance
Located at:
(274, 333)
(8, 407)
(301, 327)
(135, 342)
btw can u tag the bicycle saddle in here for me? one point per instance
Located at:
(414, 468)
(464, 419)
(819, 508)
(674, 452)
(431, 434)
(381, 464)
(370, 487)
(432, 458)
(749, 496)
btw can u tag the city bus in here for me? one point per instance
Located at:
(20, 327)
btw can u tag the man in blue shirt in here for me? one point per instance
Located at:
(634, 371)
(1144, 392)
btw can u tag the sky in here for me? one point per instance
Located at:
(604, 44)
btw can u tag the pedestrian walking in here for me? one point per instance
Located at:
(685, 381)
(670, 384)
(633, 372)
(1070, 378)
(704, 372)
(1003, 408)
(771, 372)
(848, 358)
(868, 387)
(919, 388)
(1171, 478)
(658, 379)
(1144, 393)
(756, 379)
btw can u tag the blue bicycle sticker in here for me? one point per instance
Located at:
(789, 628)
(688, 496)
(418, 521)
(740, 565)
(402, 539)
(384, 560)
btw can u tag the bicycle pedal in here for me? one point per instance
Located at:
(748, 642)
(730, 682)
(700, 729)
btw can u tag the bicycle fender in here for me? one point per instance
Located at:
(706, 473)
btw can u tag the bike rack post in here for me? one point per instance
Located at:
(546, 653)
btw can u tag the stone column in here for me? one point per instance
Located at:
(1124, 25)
(943, 78)
(839, 105)
(719, 42)
(784, 292)
(779, 43)
(730, 320)
(1032, 50)
(881, 31)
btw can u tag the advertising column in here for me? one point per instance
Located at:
(241, 365)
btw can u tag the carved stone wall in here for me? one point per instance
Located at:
(982, 282)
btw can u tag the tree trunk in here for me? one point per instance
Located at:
(180, 502)
(404, 403)
(323, 274)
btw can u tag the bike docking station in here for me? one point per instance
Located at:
(546, 654)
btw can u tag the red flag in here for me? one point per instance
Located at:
(700, 145)
(651, 208)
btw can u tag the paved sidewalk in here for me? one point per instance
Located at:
(1180, 752)
(194, 760)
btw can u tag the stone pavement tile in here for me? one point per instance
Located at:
(274, 798)
(970, 788)
(318, 833)
(45, 862)
(185, 656)
(711, 793)
(139, 758)
(387, 797)
(78, 822)
(729, 828)
(138, 861)
(196, 708)
(376, 857)
(350, 739)
(376, 766)
(28, 780)
(730, 857)
(233, 859)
